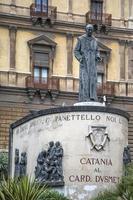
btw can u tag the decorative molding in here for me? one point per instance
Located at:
(103, 47)
(42, 40)
(7, 19)
(42, 43)
(31, 93)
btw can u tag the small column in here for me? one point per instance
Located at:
(130, 60)
(122, 8)
(122, 50)
(130, 8)
(69, 53)
(70, 6)
(12, 35)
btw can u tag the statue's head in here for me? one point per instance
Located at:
(16, 151)
(57, 144)
(44, 153)
(51, 143)
(89, 29)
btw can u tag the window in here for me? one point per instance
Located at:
(42, 52)
(40, 74)
(99, 78)
(40, 67)
(96, 9)
(41, 6)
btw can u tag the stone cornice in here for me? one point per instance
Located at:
(59, 27)
(62, 94)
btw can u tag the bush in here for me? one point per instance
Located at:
(3, 165)
(123, 191)
(52, 195)
(25, 189)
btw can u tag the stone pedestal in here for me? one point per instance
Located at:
(92, 137)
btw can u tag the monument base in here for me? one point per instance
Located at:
(92, 139)
(89, 103)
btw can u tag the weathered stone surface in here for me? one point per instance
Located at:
(93, 144)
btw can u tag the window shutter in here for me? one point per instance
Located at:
(41, 59)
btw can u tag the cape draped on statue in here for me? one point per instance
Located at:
(87, 51)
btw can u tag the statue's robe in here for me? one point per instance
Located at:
(86, 49)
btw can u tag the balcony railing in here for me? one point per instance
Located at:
(69, 84)
(42, 83)
(107, 88)
(43, 11)
(99, 18)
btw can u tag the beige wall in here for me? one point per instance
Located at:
(126, 9)
(114, 7)
(4, 49)
(114, 63)
(6, 1)
(23, 52)
(60, 65)
(62, 5)
(81, 7)
(25, 3)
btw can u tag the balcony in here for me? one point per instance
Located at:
(37, 11)
(69, 84)
(42, 83)
(106, 89)
(99, 18)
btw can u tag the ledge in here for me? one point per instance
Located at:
(70, 109)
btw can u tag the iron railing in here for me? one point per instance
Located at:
(72, 85)
(107, 88)
(42, 83)
(99, 18)
(43, 11)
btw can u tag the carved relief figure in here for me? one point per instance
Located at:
(49, 165)
(40, 160)
(17, 166)
(23, 164)
(20, 164)
(126, 156)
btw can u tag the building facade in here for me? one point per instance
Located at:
(37, 67)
